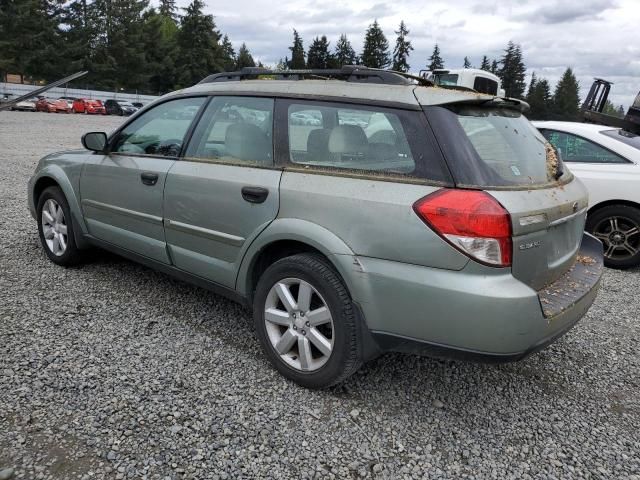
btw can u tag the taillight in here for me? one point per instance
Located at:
(470, 220)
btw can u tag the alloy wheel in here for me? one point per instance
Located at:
(299, 324)
(620, 235)
(54, 227)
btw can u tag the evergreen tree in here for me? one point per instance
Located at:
(512, 73)
(344, 53)
(375, 53)
(168, 9)
(318, 55)
(282, 65)
(435, 60)
(485, 65)
(244, 58)
(297, 53)
(467, 63)
(83, 27)
(539, 99)
(200, 53)
(228, 54)
(620, 113)
(495, 69)
(402, 50)
(160, 45)
(566, 98)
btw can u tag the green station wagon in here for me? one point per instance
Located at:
(356, 211)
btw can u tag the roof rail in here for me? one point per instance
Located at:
(348, 73)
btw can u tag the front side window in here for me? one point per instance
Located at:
(236, 130)
(580, 150)
(351, 138)
(159, 131)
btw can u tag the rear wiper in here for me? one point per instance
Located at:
(560, 167)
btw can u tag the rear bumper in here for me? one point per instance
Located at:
(476, 313)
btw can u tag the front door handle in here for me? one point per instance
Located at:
(149, 178)
(255, 194)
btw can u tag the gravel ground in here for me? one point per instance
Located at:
(111, 370)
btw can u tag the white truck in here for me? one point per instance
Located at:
(471, 78)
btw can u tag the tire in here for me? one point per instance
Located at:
(327, 290)
(618, 227)
(70, 254)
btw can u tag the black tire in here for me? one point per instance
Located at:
(345, 357)
(627, 218)
(72, 255)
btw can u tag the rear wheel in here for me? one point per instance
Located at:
(56, 228)
(306, 321)
(618, 228)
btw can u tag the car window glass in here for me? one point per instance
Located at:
(235, 130)
(159, 131)
(580, 150)
(349, 138)
(623, 136)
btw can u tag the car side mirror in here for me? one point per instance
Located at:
(95, 141)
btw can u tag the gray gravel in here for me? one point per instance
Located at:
(111, 370)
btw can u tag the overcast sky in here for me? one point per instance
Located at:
(597, 38)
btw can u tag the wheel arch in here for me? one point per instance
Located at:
(609, 203)
(287, 237)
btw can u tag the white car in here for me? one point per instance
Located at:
(607, 160)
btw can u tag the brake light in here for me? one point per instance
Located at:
(470, 220)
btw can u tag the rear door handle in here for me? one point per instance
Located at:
(149, 178)
(255, 194)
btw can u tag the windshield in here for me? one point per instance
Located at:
(622, 136)
(494, 147)
(448, 79)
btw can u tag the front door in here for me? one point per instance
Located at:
(224, 192)
(122, 191)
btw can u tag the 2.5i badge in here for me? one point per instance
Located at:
(528, 245)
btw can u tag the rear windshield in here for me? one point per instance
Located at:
(622, 136)
(494, 147)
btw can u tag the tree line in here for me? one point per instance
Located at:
(128, 45)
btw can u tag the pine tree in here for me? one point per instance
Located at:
(200, 53)
(512, 73)
(402, 50)
(83, 26)
(495, 69)
(160, 45)
(532, 86)
(244, 58)
(344, 53)
(375, 52)
(467, 63)
(318, 55)
(297, 53)
(485, 65)
(566, 98)
(539, 99)
(168, 9)
(435, 60)
(228, 54)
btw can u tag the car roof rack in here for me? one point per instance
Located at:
(348, 73)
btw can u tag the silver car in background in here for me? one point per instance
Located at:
(356, 211)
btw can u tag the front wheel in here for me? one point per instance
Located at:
(306, 322)
(56, 228)
(618, 228)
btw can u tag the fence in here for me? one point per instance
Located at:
(18, 89)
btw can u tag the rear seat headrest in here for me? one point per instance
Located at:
(348, 139)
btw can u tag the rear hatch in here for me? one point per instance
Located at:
(490, 145)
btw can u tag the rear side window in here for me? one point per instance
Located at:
(379, 141)
(494, 147)
(623, 136)
(485, 85)
(235, 130)
(580, 150)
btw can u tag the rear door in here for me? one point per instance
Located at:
(498, 150)
(224, 191)
(122, 191)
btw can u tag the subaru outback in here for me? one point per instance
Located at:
(356, 211)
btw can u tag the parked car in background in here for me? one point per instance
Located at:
(69, 101)
(25, 106)
(52, 105)
(88, 106)
(607, 160)
(345, 245)
(138, 105)
(119, 107)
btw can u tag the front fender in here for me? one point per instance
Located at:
(61, 178)
(299, 230)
